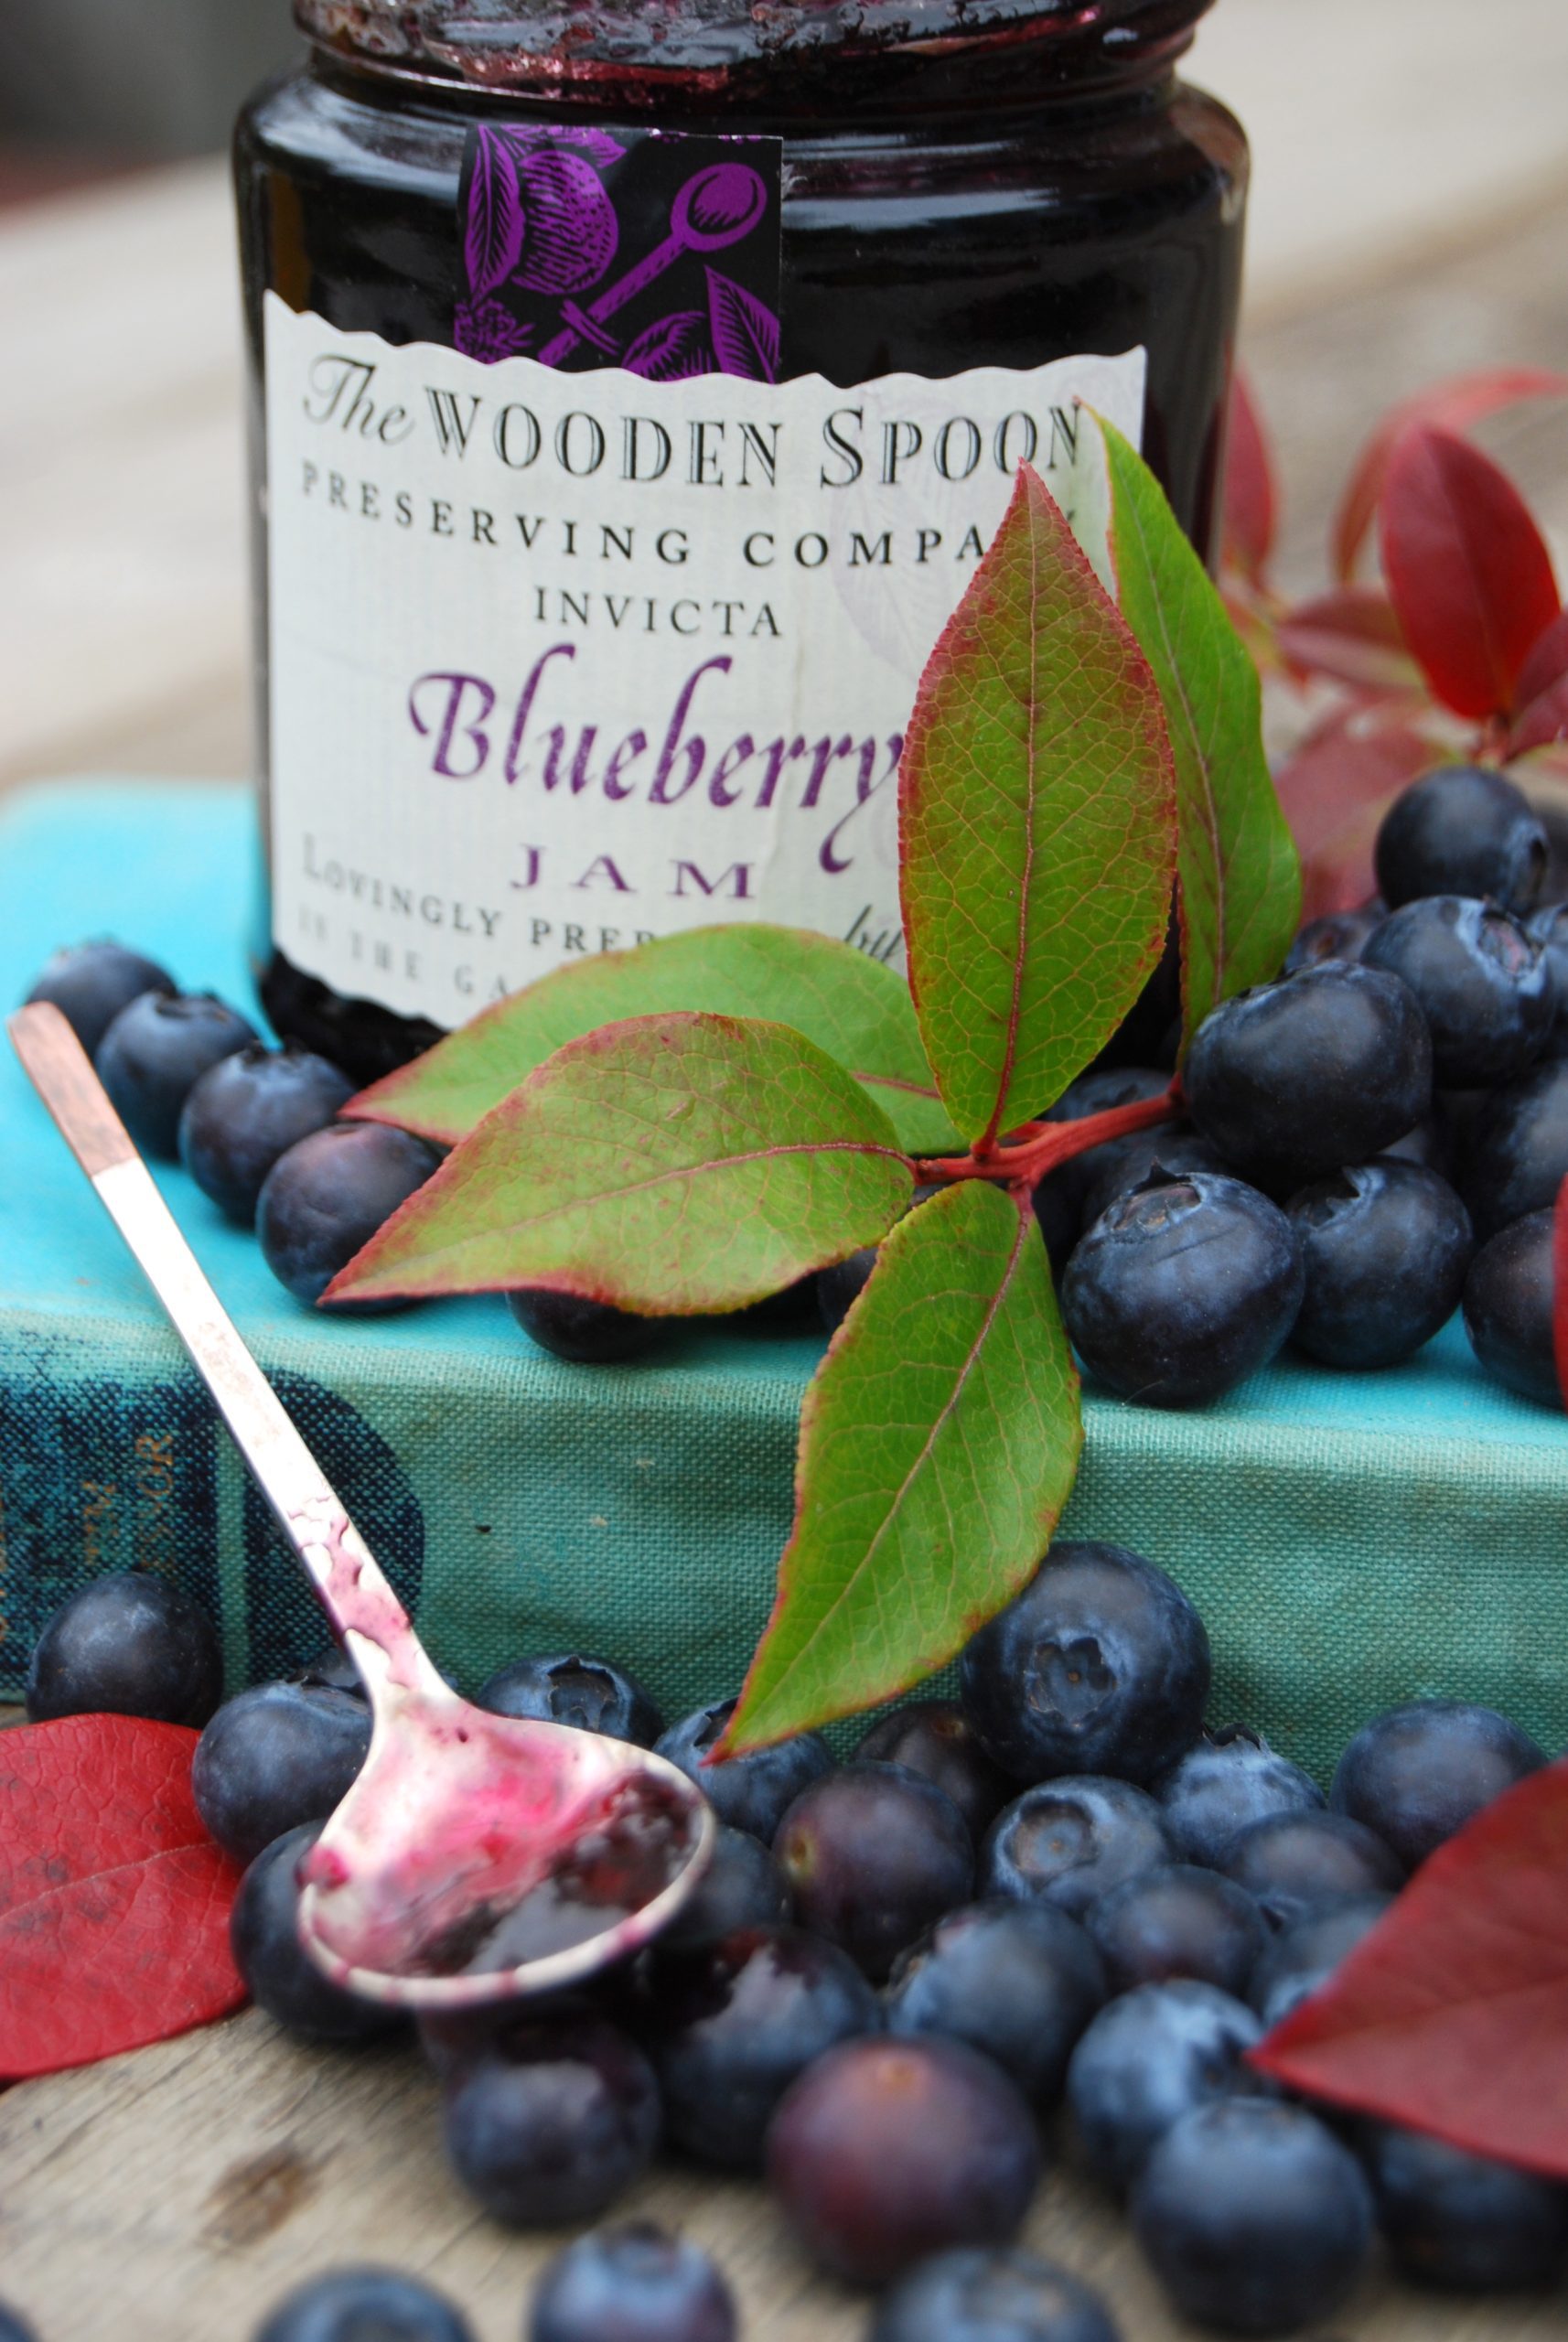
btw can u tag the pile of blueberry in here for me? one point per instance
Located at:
(1372, 1140)
(1060, 1890)
(255, 1127)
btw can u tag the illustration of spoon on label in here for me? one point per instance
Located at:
(718, 206)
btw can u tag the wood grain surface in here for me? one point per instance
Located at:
(174, 2195)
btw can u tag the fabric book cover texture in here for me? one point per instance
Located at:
(1350, 1539)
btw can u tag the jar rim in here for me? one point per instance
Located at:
(575, 45)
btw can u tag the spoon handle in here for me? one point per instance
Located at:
(356, 1597)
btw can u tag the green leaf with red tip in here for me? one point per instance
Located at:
(939, 1444)
(669, 1165)
(853, 1006)
(1241, 878)
(1037, 831)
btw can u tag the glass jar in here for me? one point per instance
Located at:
(634, 389)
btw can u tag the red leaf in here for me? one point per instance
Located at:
(1451, 406)
(1335, 789)
(1252, 495)
(1541, 693)
(1467, 571)
(1559, 1289)
(1452, 2015)
(1353, 636)
(1547, 664)
(113, 1901)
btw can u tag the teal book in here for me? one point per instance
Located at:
(1352, 1539)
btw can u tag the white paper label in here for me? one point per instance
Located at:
(561, 661)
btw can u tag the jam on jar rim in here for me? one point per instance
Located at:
(643, 49)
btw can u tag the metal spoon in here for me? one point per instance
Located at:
(477, 1858)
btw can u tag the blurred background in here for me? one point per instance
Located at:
(1410, 220)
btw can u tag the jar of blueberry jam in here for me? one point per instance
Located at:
(636, 386)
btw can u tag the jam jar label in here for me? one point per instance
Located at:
(573, 646)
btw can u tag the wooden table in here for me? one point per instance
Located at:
(171, 2196)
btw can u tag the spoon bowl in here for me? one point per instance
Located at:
(477, 1858)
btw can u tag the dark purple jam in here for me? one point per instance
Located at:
(964, 184)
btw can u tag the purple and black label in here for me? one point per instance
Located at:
(589, 248)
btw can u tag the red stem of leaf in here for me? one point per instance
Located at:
(1038, 1147)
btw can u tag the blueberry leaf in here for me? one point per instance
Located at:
(669, 1165)
(1037, 825)
(1240, 879)
(939, 1444)
(851, 1005)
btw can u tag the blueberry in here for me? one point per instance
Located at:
(1175, 1921)
(1463, 830)
(1322, 1068)
(1292, 1863)
(274, 1756)
(1417, 1774)
(1229, 1780)
(1508, 1308)
(246, 1110)
(1098, 1091)
(1550, 927)
(14, 2328)
(1303, 1957)
(1515, 1154)
(731, 2024)
(1147, 2059)
(1180, 1290)
(1484, 984)
(1385, 1246)
(1339, 935)
(1123, 1165)
(1426, 1143)
(885, 2152)
(1101, 1665)
(325, 1199)
(936, 1738)
(331, 1669)
(129, 1644)
(632, 2284)
(1095, 1092)
(1462, 2220)
(89, 983)
(553, 2122)
(1019, 1981)
(1058, 1208)
(586, 1333)
(1070, 1842)
(1253, 2216)
(364, 2306)
(588, 1693)
(997, 2296)
(154, 1052)
(743, 1886)
(280, 1976)
(874, 1853)
(748, 1792)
